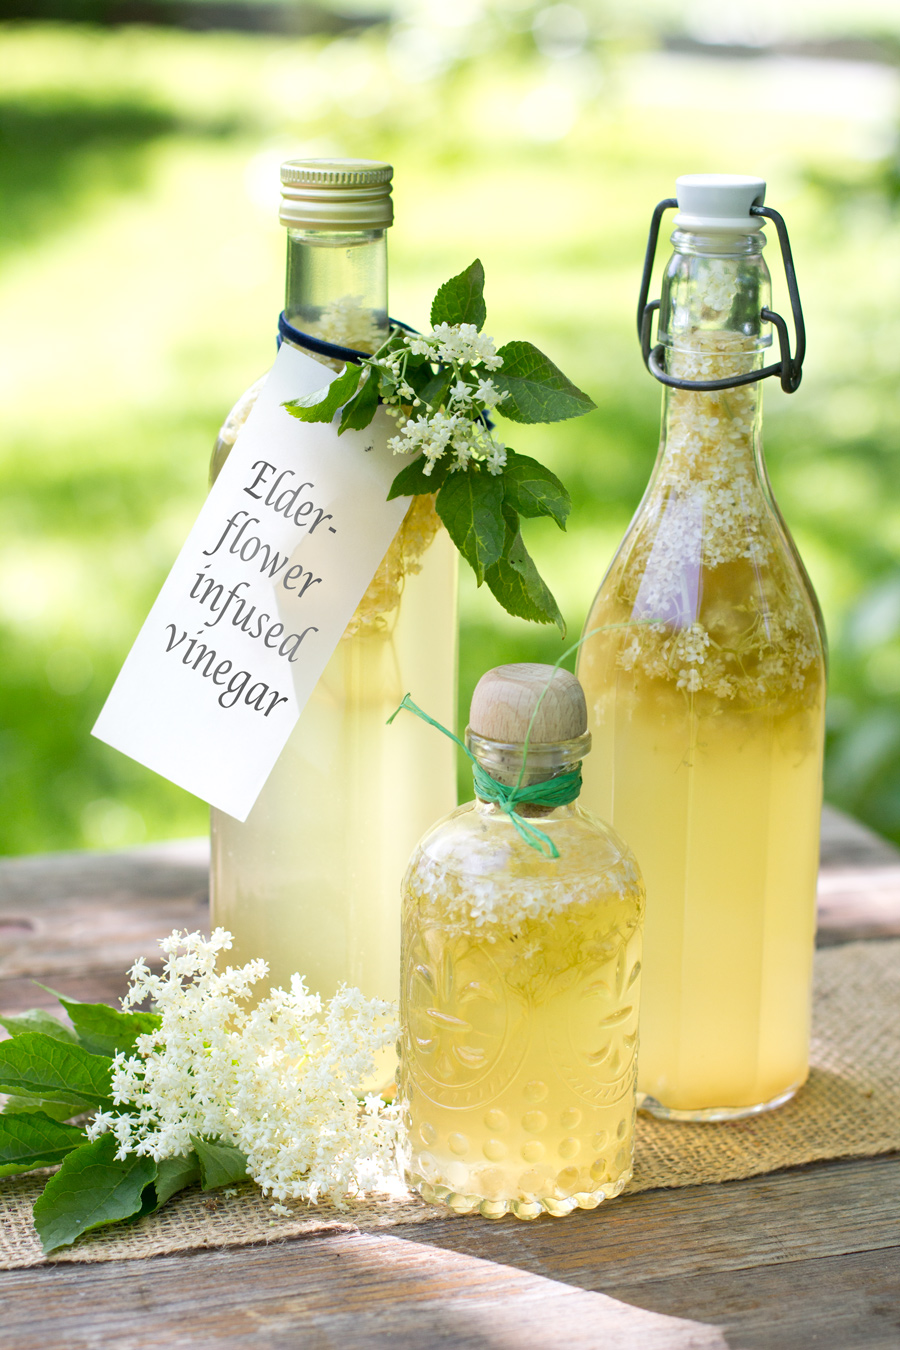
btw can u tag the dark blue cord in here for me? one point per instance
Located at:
(314, 344)
(331, 349)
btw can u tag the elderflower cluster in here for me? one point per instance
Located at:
(348, 322)
(460, 427)
(278, 1080)
(456, 344)
(707, 582)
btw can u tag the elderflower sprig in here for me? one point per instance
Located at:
(203, 1089)
(454, 423)
(443, 389)
(278, 1081)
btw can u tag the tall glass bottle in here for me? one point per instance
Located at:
(311, 880)
(521, 975)
(706, 697)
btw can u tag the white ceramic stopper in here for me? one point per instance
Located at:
(719, 201)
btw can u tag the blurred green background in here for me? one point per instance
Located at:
(141, 276)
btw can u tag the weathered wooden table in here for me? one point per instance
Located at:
(802, 1258)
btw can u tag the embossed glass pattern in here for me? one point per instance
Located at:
(519, 1001)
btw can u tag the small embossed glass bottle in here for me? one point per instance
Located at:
(520, 977)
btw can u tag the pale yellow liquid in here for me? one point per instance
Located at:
(723, 815)
(311, 880)
(706, 694)
(520, 1037)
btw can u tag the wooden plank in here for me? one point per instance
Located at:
(807, 1258)
(363, 1291)
(799, 1250)
(846, 842)
(822, 1210)
(77, 913)
(846, 1303)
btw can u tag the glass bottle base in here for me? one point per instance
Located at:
(706, 1114)
(520, 1207)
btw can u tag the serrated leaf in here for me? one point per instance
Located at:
(220, 1164)
(537, 390)
(91, 1189)
(470, 504)
(33, 1139)
(20, 1024)
(412, 481)
(17, 1104)
(173, 1175)
(36, 1065)
(533, 490)
(359, 412)
(461, 299)
(322, 404)
(521, 590)
(103, 1030)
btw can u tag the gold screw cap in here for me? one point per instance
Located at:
(336, 194)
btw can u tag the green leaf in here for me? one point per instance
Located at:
(103, 1030)
(20, 1024)
(17, 1104)
(412, 481)
(359, 412)
(537, 390)
(173, 1174)
(32, 1139)
(434, 390)
(92, 1188)
(470, 504)
(461, 299)
(517, 584)
(322, 405)
(36, 1065)
(533, 490)
(220, 1164)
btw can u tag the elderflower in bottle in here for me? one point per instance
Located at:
(706, 694)
(521, 971)
(309, 881)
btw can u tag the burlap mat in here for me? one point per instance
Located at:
(849, 1108)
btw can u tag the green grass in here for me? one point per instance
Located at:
(140, 278)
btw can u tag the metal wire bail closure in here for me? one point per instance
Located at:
(789, 368)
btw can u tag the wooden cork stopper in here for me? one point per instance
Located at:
(505, 698)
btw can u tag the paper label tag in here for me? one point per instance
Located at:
(280, 556)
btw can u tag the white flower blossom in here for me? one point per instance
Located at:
(488, 394)
(278, 1081)
(459, 429)
(709, 511)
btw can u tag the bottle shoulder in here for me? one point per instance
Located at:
(707, 594)
(228, 431)
(474, 866)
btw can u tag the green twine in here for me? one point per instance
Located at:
(558, 791)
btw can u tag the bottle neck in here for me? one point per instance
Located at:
(336, 286)
(714, 290)
(504, 762)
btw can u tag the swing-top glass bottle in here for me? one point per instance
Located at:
(310, 881)
(706, 695)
